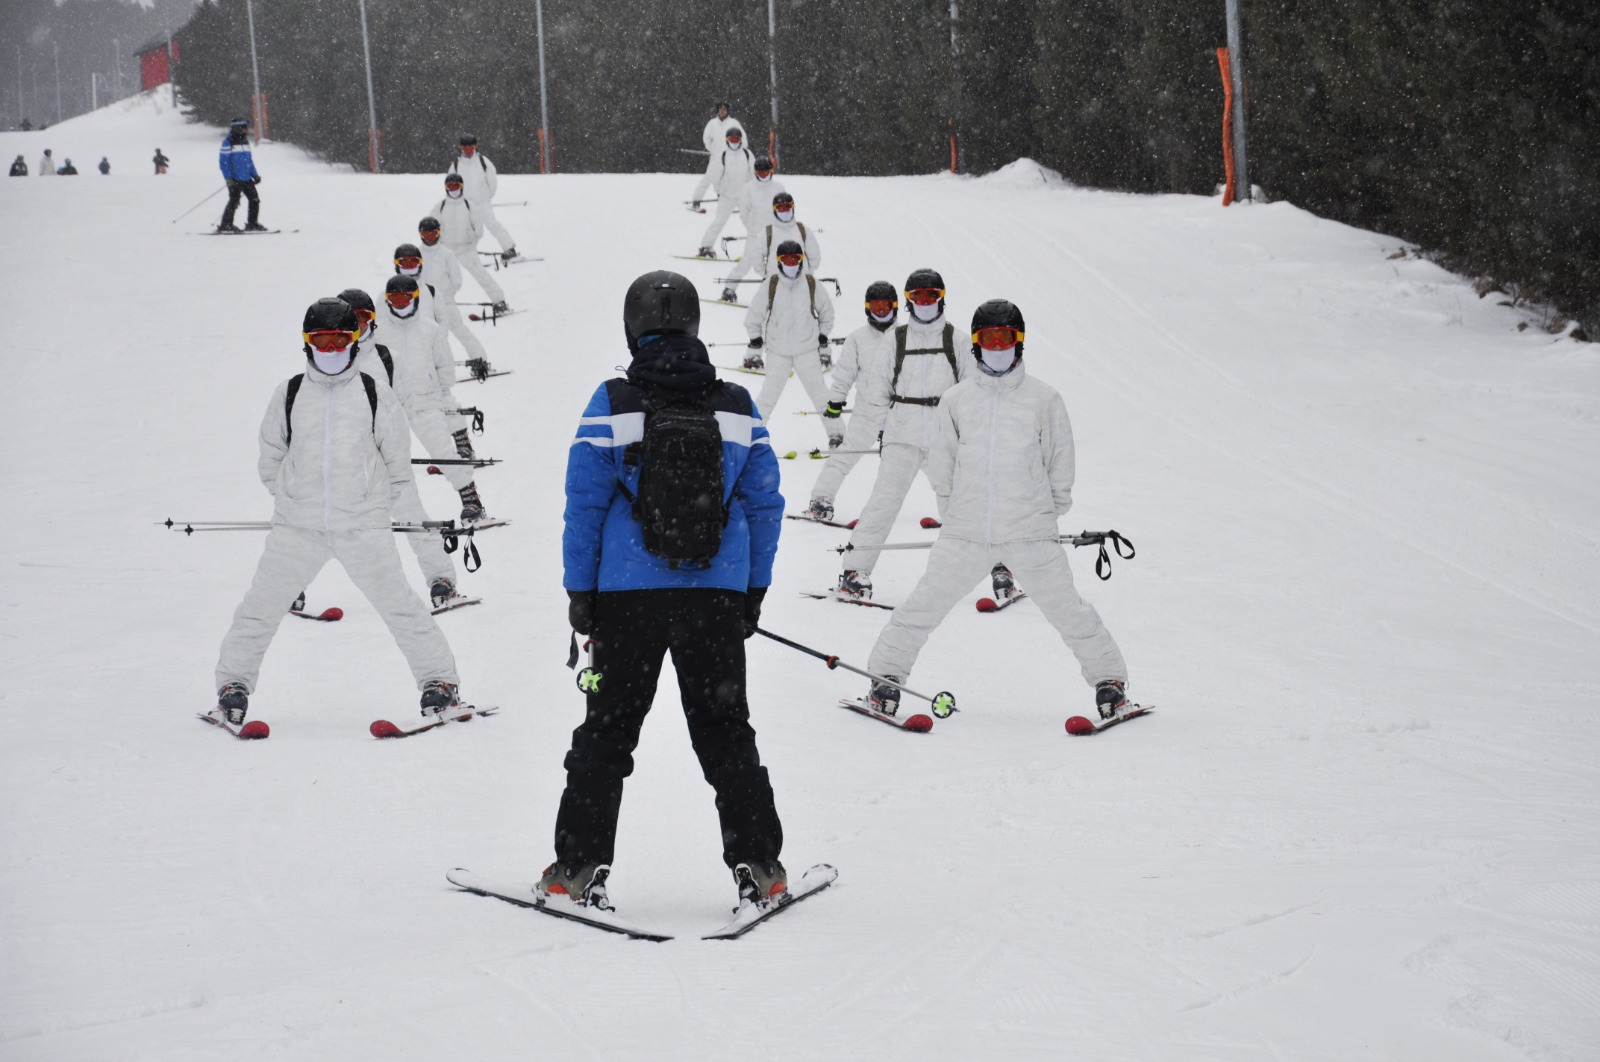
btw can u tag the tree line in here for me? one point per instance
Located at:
(1466, 126)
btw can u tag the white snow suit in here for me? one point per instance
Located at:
(47, 166)
(460, 229)
(1002, 470)
(443, 271)
(480, 183)
(788, 316)
(730, 171)
(761, 246)
(862, 351)
(332, 479)
(906, 403)
(755, 204)
(713, 138)
(424, 368)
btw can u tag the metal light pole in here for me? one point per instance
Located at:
(56, 45)
(544, 92)
(22, 109)
(116, 45)
(255, 69)
(1241, 193)
(372, 106)
(957, 165)
(772, 69)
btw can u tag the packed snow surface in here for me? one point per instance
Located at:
(1361, 823)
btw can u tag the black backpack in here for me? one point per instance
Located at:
(680, 502)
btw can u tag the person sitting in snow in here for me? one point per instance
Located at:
(68, 169)
(19, 168)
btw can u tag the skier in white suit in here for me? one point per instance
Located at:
(1002, 465)
(333, 457)
(788, 322)
(755, 203)
(862, 351)
(712, 136)
(482, 182)
(460, 229)
(731, 169)
(444, 276)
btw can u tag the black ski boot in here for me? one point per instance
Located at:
(583, 885)
(1110, 697)
(761, 882)
(233, 700)
(463, 444)
(855, 584)
(729, 295)
(820, 509)
(884, 697)
(472, 509)
(438, 697)
(299, 603)
(1004, 586)
(442, 591)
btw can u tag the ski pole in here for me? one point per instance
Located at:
(818, 453)
(520, 202)
(1102, 563)
(200, 204)
(702, 202)
(475, 462)
(475, 413)
(944, 702)
(837, 290)
(694, 151)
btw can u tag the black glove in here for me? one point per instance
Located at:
(580, 610)
(256, 179)
(832, 410)
(822, 339)
(752, 609)
(755, 344)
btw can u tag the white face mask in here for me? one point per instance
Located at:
(997, 362)
(454, 192)
(790, 271)
(763, 177)
(407, 312)
(784, 216)
(926, 314)
(887, 318)
(333, 362)
(417, 272)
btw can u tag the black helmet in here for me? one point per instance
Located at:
(401, 282)
(330, 315)
(358, 300)
(764, 163)
(658, 303)
(453, 178)
(782, 201)
(733, 131)
(925, 278)
(882, 289)
(997, 313)
(406, 250)
(468, 139)
(789, 247)
(428, 224)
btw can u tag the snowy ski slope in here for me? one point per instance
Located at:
(1361, 824)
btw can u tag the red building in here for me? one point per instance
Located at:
(153, 67)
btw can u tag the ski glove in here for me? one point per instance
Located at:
(256, 179)
(832, 410)
(752, 609)
(580, 610)
(755, 344)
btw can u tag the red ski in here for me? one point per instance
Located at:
(928, 523)
(1082, 726)
(843, 600)
(327, 615)
(815, 520)
(252, 730)
(919, 723)
(989, 604)
(462, 713)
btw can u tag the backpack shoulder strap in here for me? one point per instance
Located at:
(483, 163)
(899, 359)
(387, 359)
(769, 241)
(950, 350)
(811, 282)
(372, 398)
(802, 227)
(288, 406)
(772, 292)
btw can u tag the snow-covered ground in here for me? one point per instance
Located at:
(1362, 822)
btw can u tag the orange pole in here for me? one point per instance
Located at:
(772, 147)
(1227, 124)
(542, 168)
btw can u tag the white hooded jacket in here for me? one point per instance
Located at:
(478, 176)
(714, 135)
(921, 376)
(795, 319)
(730, 171)
(762, 244)
(862, 350)
(443, 270)
(755, 201)
(341, 465)
(1002, 464)
(459, 228)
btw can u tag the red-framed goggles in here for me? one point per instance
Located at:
(999, 337)
(403, 297)
(925, 296)
(327, 341)
(408, 262)
(429, 236)
(365, 316)
(735, 137)
(882, 307)
(791, 259)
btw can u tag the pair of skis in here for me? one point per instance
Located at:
(746, 917)
(256, 729)
(334, 614)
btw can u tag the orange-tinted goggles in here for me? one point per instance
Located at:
(330, 341)
(925, 296)
(365, 316)
(882, 307)
(408, 262)
(429, 236)
(400, 298)
(997, 338)
(791, 259)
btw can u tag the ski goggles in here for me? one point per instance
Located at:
(882, 307)
(999, 337)
(429, 237)
(365, 316)
(329, 341)
(454, 181)
(408, 262)
(925, 296)
(734, 138)
(791, 259)
(399, 298)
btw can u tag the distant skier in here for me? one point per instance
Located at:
(755, 204)
(731, 168)
(781, 224)
(690, 583)
(712, 136)
(1001, 464)
(435, 305)
(105, 166)
(788, 323)
(19, 167)
(239, 170)
(68, 169)
(47, 164)
(481, 184)
(443, 274)
(460, 229)
(862, 351)
(334, 453)
(160, 161)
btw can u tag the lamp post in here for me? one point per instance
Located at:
(772, 73)
(544, 93)
(1241, 193)
(255, 69)
(372, 107)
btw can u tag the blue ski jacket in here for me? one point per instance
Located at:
(236, 161)
(603, 544)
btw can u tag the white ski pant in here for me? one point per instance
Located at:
(291, 559)
(705, 179)
(805, 365)
(726, 208)
(432, 429)
(468, 257)
(860, 433)
(897, 467)
(486, 214)
(458, 326)
(957, 565)
(406, 508)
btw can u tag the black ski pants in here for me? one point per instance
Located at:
(248, 190)
(633, 632)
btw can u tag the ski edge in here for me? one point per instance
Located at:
(826, 874)
(1083, 726)
(467, 881)
(916, 724)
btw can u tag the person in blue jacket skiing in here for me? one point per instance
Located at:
(239, 170)
(688, 579)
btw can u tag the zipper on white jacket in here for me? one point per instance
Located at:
(994, 444)
(327, 462)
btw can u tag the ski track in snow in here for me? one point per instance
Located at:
(1366, 600)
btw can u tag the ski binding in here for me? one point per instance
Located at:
(461, 713)
(250, 730)
(528, 896)
(1082, 726)
(749, 915)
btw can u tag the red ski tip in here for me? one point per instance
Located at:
(331, 614)
(852, 524)
(929, 523)
(433, 470)
(920, 723)
(382, 728)
(987, 604)
(1079, 725)
(255, 728)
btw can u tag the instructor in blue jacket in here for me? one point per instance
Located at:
(239, 170)
(636, 604)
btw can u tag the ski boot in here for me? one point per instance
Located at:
(442, 591)
(472, 509)
(762, 883)
(706, 252)
(1110, 697)
(299, 603)
(584, 885)
(820, 509)
(835, 440)
(854, 584)
(233, 700)
(729, 295)
(500, 307)
(825, 356)
(255, 226)
(1005, 587)
(439, 696)
(884, 697)
(507, 255)
(228, 226)
(754, 361)
(463, 444)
